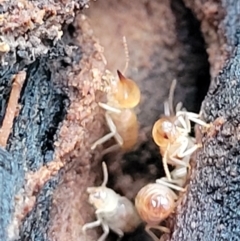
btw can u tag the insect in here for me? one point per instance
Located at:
(171, 134)
(156, 201)
(123, 96)
(113, 211)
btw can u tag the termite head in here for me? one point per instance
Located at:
(155, 202)
(103, 198)
(164, 131)
(126, 93)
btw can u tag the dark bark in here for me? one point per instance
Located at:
(210, 209)
(211, 206)
(31, 144)
(8, 182)
(43, 103)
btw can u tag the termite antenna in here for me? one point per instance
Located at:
(170, 98)
(105, 174)
(126, 54)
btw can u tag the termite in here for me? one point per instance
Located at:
(113, 211)
(121, 119)
(172, 134)
(156, 201)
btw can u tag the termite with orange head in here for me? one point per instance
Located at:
(171, 134)
(156, 201)
(123, 96)
(113, 211)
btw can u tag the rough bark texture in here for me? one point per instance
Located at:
(47, 163)
(29, 28)
(50, 139)
(210, 209)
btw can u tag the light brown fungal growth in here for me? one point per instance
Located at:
(12, 108)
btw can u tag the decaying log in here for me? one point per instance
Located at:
(47, 163)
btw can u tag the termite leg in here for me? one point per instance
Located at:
(109, 108)
(105, 232)
(179, 173)
(190, 151)
(107, 137)
(164, 181)
(111, 126)
(119, 232)
(90, 225)
(165, 165)
(152, 235)
(193, 117)
(110, 149)
(182, 152)
(102, 140)
(178, 162)
(185, 124)
(113, 129)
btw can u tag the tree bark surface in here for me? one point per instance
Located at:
(47, 163)
(210, 208)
